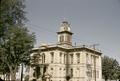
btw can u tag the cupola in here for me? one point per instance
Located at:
(65, 34)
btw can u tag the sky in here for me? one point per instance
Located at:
(91, 21)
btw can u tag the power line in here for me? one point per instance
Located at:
(40, 28)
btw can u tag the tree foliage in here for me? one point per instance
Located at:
(11, 13)
(18, 42)
(15, 39)
(110, 68)
(119, 73)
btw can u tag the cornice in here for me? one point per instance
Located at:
(72, 49)
(65, 32)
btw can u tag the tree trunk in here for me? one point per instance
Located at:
(22, 72)
(13, 75)
(7, 76)
(13, 72)
(105, 79)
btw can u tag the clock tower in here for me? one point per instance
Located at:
(65, 34)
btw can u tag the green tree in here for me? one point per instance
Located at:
(110, 68)
(17, 47)
(13, 49)
(11, 13)
(115, 69)
(106, 63)
(119, 73)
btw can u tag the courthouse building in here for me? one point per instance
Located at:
(65, 62)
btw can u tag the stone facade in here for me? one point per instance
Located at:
(65, 62)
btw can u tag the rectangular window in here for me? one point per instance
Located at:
(78, 58)
(60, 57)
(71, 58)
(91, 59)
(87, 58)
(64, 58)
(68, 38)
(71, 72)
(52, 57)
(43, 58)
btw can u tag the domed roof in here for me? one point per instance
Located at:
(65, 26)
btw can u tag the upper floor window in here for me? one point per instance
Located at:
(87, 59)
(92, 59)
(64, 58)
(71, 58)
(87, 56)
(52, 57)
(78, 57)
(69, 38)
(97, 60)
(61, 38)
(60, 57)
(43, 58)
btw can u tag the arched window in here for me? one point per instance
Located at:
(43, 58)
